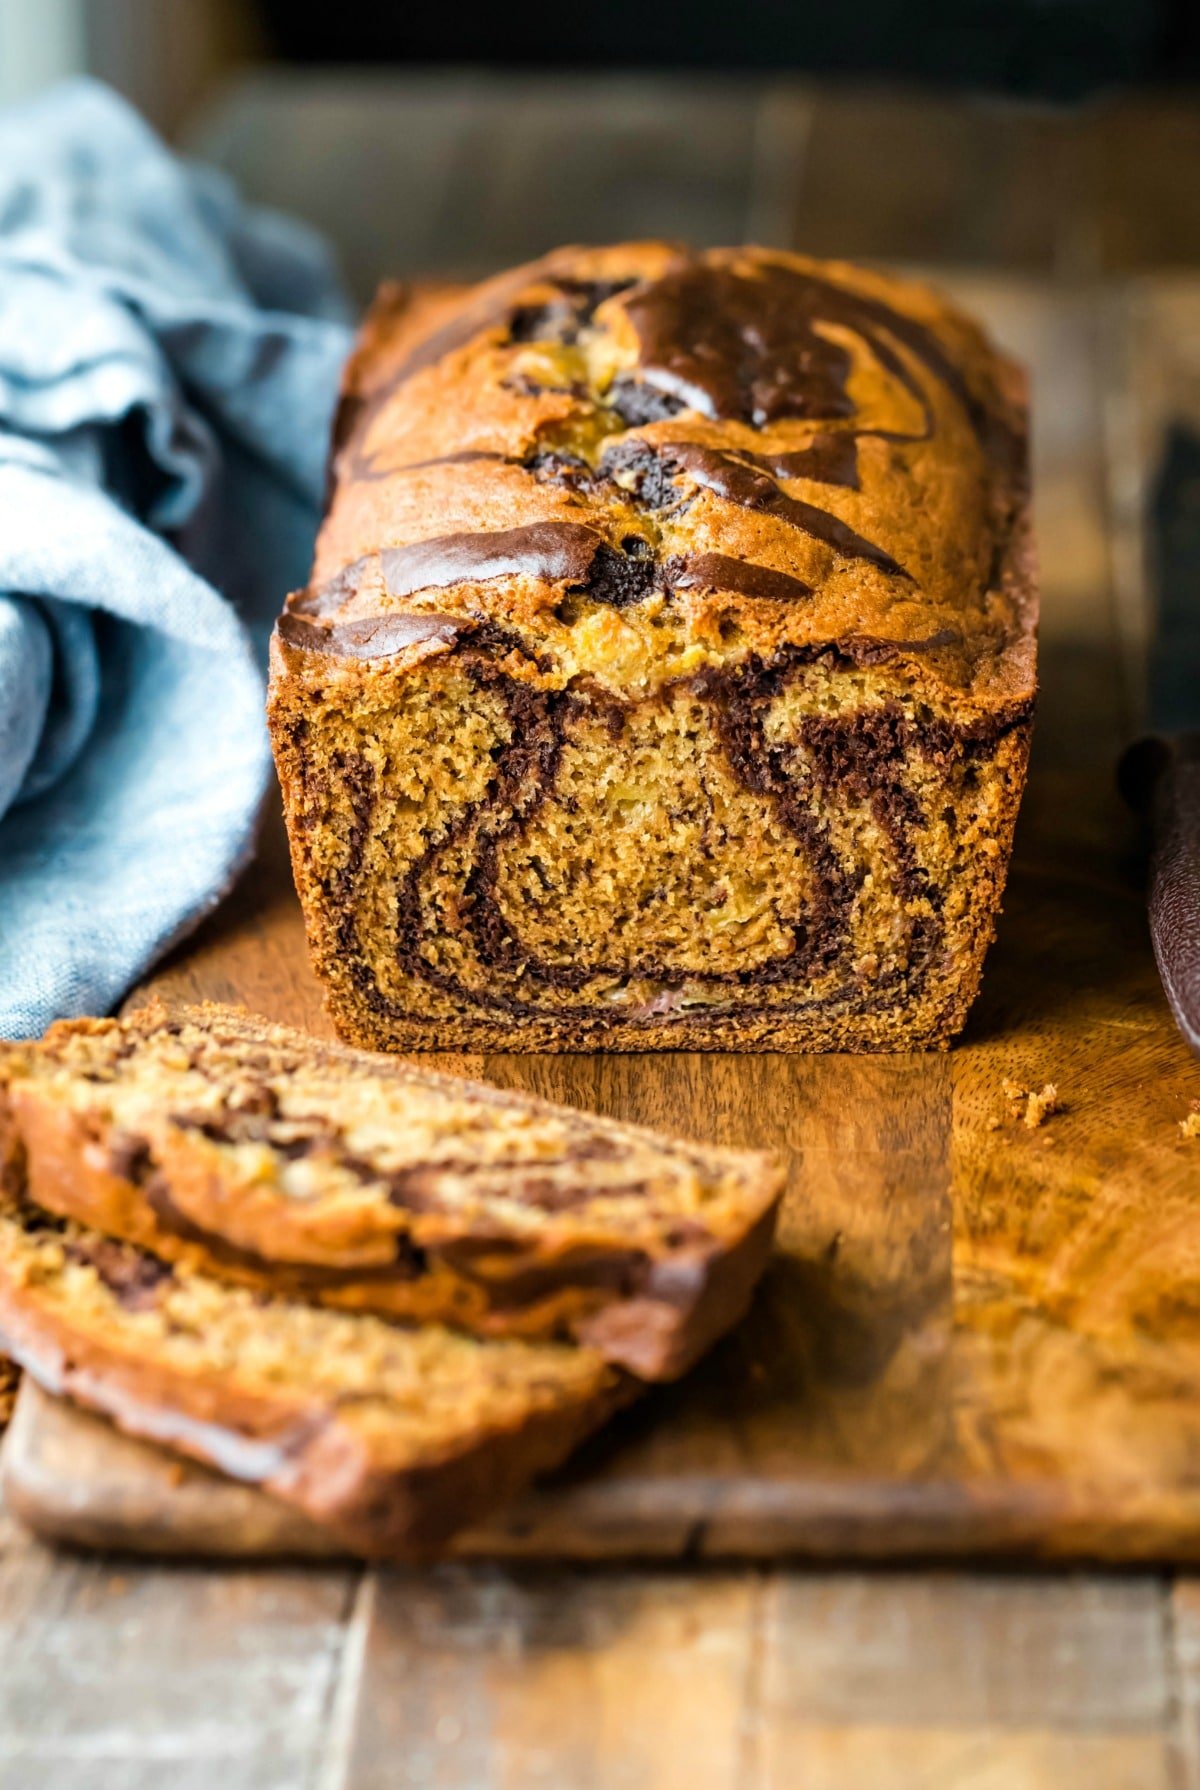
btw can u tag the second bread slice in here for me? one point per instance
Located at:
(394, 1438)
(241, 1149)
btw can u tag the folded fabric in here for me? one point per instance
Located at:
(168, 365)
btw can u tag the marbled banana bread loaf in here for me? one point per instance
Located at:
(666, 673)
(253, 1153)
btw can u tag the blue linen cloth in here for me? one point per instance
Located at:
(169, 360)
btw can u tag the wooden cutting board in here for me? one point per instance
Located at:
(974, 1337)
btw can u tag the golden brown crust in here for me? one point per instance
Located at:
(540, 1221)
(941, 508)
(740, 538)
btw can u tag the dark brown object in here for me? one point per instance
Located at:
(1161, 777)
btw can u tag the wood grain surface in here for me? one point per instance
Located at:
(974, 1337)
(115, 1676)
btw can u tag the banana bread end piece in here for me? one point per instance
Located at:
(666, 673)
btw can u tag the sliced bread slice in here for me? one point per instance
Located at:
(255, 1153)
(394, 1437)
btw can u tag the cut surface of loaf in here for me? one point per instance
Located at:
(250, 1151)
(666, 672)
(395, 1438)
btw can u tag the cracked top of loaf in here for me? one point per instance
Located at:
(636, 463)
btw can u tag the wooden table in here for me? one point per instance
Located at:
(476, 1677)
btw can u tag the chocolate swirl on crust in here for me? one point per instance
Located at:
(555, 552)
(741, 479)
(828, 459)
(754, 344)
(752, 347)
(566, 553)
(717, 571)
(367, 637)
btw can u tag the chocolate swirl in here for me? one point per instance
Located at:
(860, 757)
(750, 346)
(368, 636)
(718, 571)
(740, 481)
(555, 552)
(828, 459)
(756, 344)
(566, 553)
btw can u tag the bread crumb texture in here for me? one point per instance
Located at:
(1032, 1106)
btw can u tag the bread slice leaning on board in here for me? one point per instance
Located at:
(246, 1150)
(387, 1296)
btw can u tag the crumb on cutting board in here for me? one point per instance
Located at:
(1190, 1127)
(1031, 1105)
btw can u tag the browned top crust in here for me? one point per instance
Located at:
(644, 462)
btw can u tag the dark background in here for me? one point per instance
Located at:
(1050, 49)
(1054, 138)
